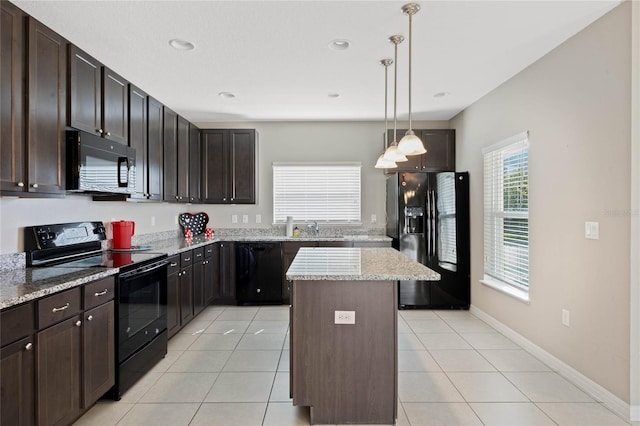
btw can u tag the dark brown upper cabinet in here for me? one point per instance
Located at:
(12, 85)
(170, 164)
(138, 139)
(46, 110)
(155, 132)
(229, 166)
(183, 160)
(440, 156)
(195, 164)
(98, 98)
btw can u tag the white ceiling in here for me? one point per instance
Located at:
(274, 55)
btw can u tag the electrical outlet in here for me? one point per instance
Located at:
(566, 317)
(234, 218)
(258, 218)
(374, 218)
(245, 218)
(345, 317)
(592, 230)
(153, 221)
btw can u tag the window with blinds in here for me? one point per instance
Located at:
(506, 211)
(328, 192)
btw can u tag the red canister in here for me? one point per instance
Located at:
(123, 230)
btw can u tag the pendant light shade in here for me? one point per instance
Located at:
(410, 144)
(383, 163)
(392, 154)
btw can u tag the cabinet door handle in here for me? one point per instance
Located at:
(34, 185)
(199, 255)
(99, 131)
(28, 346)
(78, 323)
(108, 133)
(90, 317)
(62, 308)
(21, 184)
(101, 293)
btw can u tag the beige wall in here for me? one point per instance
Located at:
(278, 141)
(575, 102)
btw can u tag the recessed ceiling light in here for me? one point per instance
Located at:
(441, 94)
(334, 95)
(227, 95)
(339, 44)
(178, 44)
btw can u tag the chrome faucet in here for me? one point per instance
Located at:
(314, 227)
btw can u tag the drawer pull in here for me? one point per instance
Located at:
(186, 259)
(199, 255)
(62, 308)
(173, 264)
(28, 346)
(101, 293)
(78, 323)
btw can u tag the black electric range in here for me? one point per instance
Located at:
(140, 299)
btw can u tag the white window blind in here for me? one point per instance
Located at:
(506, 211)
(328, 192)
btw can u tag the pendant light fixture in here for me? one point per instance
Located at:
(410, 144)
(382, 163)
(392, 153)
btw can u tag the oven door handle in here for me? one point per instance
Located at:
(145, 269)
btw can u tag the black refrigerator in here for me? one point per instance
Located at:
(428, 219)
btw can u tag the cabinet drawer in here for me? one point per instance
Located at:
(186, 258)
(16, 322)
(198, 254)
(99, 292)
(174, 264)
(60, 306)
(208, 250)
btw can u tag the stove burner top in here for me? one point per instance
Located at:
(110, 259)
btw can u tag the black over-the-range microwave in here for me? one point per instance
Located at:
(98, 165)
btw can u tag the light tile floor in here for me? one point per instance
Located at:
(230, 366)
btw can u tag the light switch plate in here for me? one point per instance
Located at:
(345, 317)
(234, 218)
(592, 230)
(566, 317)
(153, 221)
(245, 218)
(258, 218)
(374, 218)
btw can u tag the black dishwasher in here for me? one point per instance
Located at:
(258, 273)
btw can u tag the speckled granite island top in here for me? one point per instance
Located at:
(22, 285)
(356, 264)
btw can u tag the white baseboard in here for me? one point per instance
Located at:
(596, 391)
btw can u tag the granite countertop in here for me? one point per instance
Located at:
(22, 285)
(356, 264)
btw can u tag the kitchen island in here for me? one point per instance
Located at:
(344, 332)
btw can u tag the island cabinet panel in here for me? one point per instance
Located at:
(155, 174)
(346, 373)
(12, 85)
(46, 110)
(17, 365)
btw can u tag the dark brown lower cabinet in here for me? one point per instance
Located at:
(186, 295)
(211, 269)
(226, 290)
(59, 366)
(98, 352)
(17, 379)
(173, 295)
